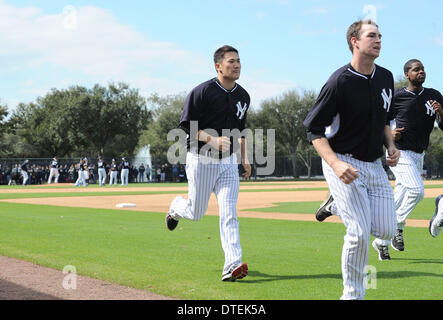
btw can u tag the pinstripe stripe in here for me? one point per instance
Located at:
(124, 176)
(366, 207)
(101, 176)
(206, 175)
(409, 187)
(113, 178)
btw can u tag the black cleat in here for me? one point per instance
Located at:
(171, 223)
(324, 210)
(383, 251)
(397, 242)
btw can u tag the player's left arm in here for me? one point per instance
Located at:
(244, 158)
(438, 109)
(393, 153)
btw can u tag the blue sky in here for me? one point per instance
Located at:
(166, 47)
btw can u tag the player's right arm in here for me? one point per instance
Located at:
(344, 171)
(219, 143)
(321, 116)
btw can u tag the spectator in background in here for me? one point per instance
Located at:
(141, 173)
(148, 173)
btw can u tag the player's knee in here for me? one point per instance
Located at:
(417, 193)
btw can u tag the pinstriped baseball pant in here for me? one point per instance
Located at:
(409, 189)
(366, 207)
(206, 175)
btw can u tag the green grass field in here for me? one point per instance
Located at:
(286, 259)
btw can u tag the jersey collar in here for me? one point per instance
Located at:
(415, 94)
(224, 89)
(350, 69)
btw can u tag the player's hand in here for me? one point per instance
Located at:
(344, 171)
(396, 133)
(247, 172)
(435, 104)
(222, 144)
(393, 156)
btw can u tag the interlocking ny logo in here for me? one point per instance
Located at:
(387, 99)
(429, 109)
(241, 110)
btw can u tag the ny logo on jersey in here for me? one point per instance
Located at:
(387, 99)
(241, 110)
(429, 109)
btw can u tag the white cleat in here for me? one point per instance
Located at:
(436, 223)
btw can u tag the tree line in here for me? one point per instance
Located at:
(117, 120)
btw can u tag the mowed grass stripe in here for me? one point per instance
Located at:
(83, 193)
(287, 259)
(424, 210)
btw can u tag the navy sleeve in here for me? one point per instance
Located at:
(243, 121)
(323, 111)
(191, 110)
(440, 100)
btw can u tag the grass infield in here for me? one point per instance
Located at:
(286, 259)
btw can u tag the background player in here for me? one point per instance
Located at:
(348, 126)
(24, 171)
(113, 172)
(101, 172)
(124, 175)
(53, 170)
(216, 104)
(415, 110)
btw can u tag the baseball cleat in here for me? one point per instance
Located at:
(397, 242)
(383, 251)
(236, 272)
(324, 210)
(436, 223)
(171, 223)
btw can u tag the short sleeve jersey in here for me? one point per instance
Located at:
(413, 112)
(352, 111)
(215, 107)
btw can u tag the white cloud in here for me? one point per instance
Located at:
(262, 90)
(317, 11)
(90, 41)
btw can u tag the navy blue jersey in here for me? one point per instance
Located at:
(114, 167)
(24, 166)
(54, 164)
(414, 112)
(125, 165)
(352, 111)
(215, 108)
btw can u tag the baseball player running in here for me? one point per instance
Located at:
(415, 111)
(53, 171)
(101, 171)
(113, 173)
(211, 161)
(348, 126)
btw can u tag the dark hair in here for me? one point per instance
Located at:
(354, 30)
(220, 53)
(408, 65)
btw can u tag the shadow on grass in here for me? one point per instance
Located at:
(431, 261)
(279, 277)
(263, 277)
